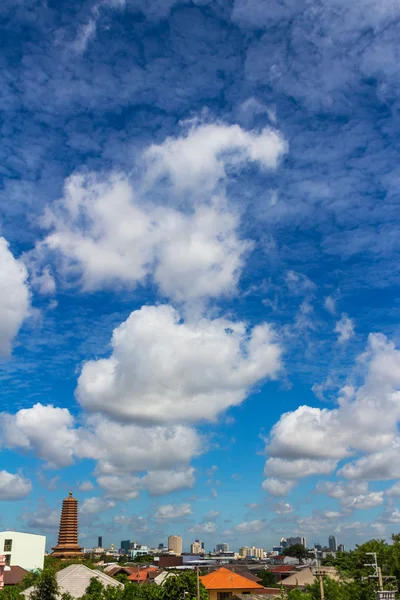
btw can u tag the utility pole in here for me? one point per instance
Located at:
(320, 576)
(381, 594)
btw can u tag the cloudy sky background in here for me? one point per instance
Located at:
(199, 269)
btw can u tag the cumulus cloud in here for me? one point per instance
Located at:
(199, 158)
(162, 369)
(277, 487)
(14, 296)
(91, 506)
(250, 526)
(297, 468)
(365, 420)
(208, 527)
(394, 490)
(13, 486)
(345, 329)
(162, 453)
(29, 429)
(105, 232)
(364, 501)
(282, 508)
(173, 511)
(86, 486)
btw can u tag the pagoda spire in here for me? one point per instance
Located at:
(68, 546)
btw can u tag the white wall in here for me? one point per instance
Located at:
(27, 549)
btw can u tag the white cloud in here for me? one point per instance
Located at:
(158, 483)
(91, 506)
(14, 296)
(208, 527)
(330, 305)
(86, 486)
(29, 430)
(125, 487)
(297, 468)
(199, 158)
(173, 511)
(250, 526)
(365, 420)
(345, 329)
(162, 369)
(394, 490)
(134, 522)
(212, 515)
(163, 454)
(282, 508)
(126, 448)
(106, 232)
(277, 487)
(13, 486)
(363, 501)
(342, 490)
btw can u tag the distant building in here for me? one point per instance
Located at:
(294, 541)
(332, 543)
(161, 546)
(277, 549)
(126, 546)
(222, 548)
(341, 548)
(317, 546)
(197, 547)
(24, 550)
(175, 544)
(253, 552)
(138, 550)
(283, 543)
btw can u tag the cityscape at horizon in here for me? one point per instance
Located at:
(199, 270)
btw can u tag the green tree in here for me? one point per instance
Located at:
(11, 592)
(175, 587)
(268, 579)
(297, 551)
(46, 586)
(94, 590)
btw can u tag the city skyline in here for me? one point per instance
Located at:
(199, 250)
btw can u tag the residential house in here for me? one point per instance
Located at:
(224, 583)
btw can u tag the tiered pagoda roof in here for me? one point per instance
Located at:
(68, 546)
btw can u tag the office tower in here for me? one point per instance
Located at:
(222, 548)
(100, 541)
(126, 546)
(332, 543)
(175, 544)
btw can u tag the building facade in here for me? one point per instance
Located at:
(175, 544)
(222, 548)
(332, 543)
(294, 541)
(197, 547)
(126, 546)
(24, 550)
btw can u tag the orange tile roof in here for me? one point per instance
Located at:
(224, 579)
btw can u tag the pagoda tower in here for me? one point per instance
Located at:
(68, 546)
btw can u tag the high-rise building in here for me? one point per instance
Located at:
(332, 543)
(294, 541)
(126, 546)
(68, 546)
(222, 548)
(317, 546)
(175, 544)
(341, 548)
(197, 547)
(100, 541)
(253, 552)
(283, 543)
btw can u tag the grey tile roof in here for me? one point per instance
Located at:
(75, 579)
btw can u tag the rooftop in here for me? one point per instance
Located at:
(223, 579)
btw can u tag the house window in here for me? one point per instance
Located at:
(8, 559)
(224, 595)
(7, 545)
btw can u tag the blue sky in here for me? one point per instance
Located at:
(199, 274)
